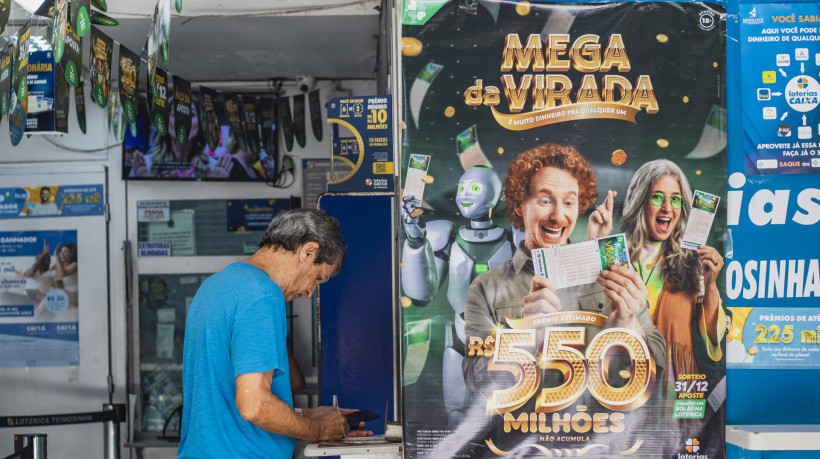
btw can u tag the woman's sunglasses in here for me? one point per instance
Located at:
(657, 200)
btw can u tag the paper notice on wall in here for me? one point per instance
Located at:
(582, 262)
(178, 230)
(153, 211)
(701, 216)
(165, 340)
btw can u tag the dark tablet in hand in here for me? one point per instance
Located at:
(364, 415)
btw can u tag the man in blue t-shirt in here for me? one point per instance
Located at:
(235, 376)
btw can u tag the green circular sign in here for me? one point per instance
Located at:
(159, 123)
(71, 74)
(182, 135)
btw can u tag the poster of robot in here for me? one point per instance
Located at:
(534, 129)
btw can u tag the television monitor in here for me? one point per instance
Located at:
(151, 156)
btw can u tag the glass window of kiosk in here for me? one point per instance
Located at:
(211, 227)
(200, 237)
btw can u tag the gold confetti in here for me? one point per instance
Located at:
(406, 302)
(403, 125)
(663, 143)
(401, 264)
(618, 157)
(661, 38)
(685, 99)
(753, 350)
(714, 64)
(626, 374)
(697, 172)
(500, 151)
(449, 112)
(410, 46)
(522, 8)
(416, 213)
(428, 179)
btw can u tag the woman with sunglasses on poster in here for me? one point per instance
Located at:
(683, 299)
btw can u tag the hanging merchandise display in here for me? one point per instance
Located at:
(48, 93)
(299, 119)
(157, 42)
(72, 58)
(233, 106)
(208, 98)
(181, 117)
(5, 10)
(17, 120)
(103, 20)
(159, 102)
(79, 104)
(250, 108)
(116, 119)
(19, 80)
(59, 29)
(315, 113)
(6, 62)
(100, 66)
(577, 138)
(129, 83)
(285, 121)
(81, 16)
(268, 120)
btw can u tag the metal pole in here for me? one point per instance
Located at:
(37, 443)
(111, 434)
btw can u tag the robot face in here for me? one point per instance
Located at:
(478, 192)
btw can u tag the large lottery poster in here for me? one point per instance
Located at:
(39, 299)
(529, 128)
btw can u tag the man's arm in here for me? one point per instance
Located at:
(257, 405)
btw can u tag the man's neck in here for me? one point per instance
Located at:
(277, 263)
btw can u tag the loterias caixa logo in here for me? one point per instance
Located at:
(692, 447)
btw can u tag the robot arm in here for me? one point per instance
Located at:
(422, 271)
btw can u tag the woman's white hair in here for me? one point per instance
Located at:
(681, 267)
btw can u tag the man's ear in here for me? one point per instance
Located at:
(309, 250)
(518, 210)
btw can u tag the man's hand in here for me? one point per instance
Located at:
(712, 263)
(600, 220)
(627, 295)
(542, 298)
(332, 424)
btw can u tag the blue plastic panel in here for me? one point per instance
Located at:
(356, 309)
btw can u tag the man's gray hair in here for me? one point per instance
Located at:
(291, 229)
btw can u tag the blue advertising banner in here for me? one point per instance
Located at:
(253, 214)
(368, 166)
(773, 338)
(39, 321)
(52, 201)
(780, 92)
